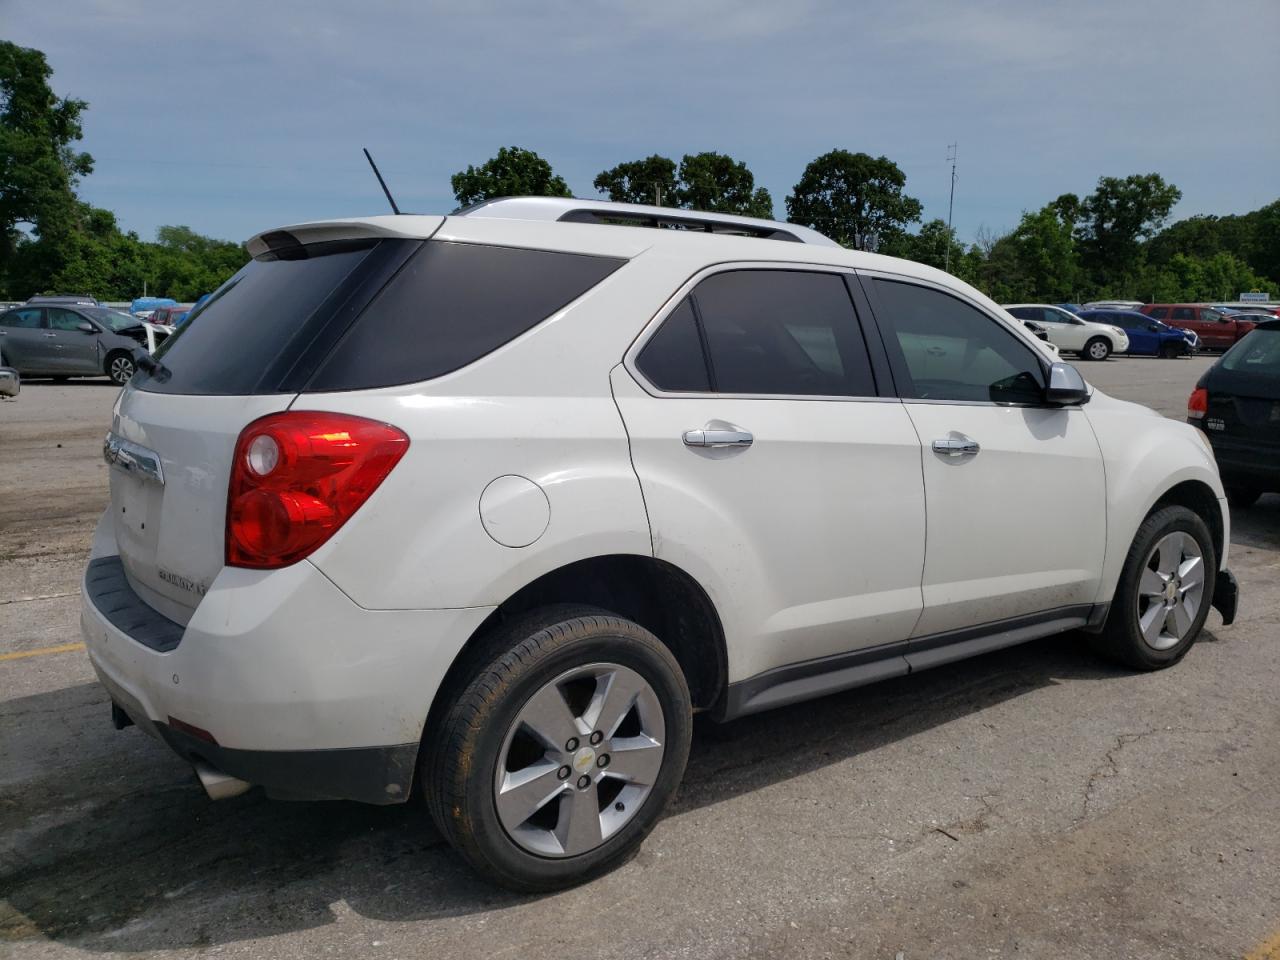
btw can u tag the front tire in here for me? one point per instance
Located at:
(1096, 349)
(1170, 351)
(1164, 593)
(120, 367)
(554, 762)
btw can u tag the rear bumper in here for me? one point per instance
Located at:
(298, 689)
(1253, 461)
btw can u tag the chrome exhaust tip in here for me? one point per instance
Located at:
(218, 785)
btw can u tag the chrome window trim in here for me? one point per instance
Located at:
(646, 333)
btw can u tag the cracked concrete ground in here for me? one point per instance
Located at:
(1032, 802)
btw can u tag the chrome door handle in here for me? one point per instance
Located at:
(960, 446)
(50, 334)
(717, 438)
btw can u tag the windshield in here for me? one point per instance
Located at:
(114, 319)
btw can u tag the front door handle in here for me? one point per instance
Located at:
(709, 437)
(50, 335)
(957, 446)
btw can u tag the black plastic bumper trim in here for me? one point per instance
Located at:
(380, 775)
(108, 590)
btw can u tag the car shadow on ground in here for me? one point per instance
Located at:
(109, 844)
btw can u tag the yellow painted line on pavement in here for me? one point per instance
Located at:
(42, 651)
(1268, 949)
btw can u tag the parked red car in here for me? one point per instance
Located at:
(1216, 330)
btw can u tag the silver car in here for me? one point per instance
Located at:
(40, 340)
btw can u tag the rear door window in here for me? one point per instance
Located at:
(1183, 314)
(783, 332)
(673, 359)
(762, 333)
(1160, 313)
(24, 318)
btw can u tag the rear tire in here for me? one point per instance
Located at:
(1096, 349)
(1153, 620)
(591, 711)
(1241, 497)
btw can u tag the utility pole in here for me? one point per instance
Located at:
(951, 156)
(657, 193)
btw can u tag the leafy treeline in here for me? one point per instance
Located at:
(53, 242)
(1112, 243)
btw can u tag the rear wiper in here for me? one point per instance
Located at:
(152, 366)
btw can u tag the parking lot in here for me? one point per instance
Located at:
(1030, 802)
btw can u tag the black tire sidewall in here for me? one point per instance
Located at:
(1122, 636)
(111, 359)
(489, 847)
(1088, 347)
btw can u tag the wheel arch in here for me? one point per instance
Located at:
(658, 595)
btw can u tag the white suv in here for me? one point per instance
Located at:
(490, 505)
(1092, 341)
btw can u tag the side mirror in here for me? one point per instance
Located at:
(10, 382)
(1153, 328)
(1066, 387)
(86, 327)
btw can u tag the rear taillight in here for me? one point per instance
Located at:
(298, 477)
(1198, 403)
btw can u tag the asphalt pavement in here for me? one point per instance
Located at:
(1033, 802)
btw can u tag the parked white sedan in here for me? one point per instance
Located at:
(1092, 341)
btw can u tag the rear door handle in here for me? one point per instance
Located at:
(717, 438)
(959, 446)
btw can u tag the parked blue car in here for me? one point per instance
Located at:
(1148, 337)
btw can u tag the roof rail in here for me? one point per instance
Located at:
(571, 210)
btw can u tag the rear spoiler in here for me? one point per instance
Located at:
(364, 228)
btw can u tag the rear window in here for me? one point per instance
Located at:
(1258, 353)
(232, 345)
(357, 315)
(452, 304)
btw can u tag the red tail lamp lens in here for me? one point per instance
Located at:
(1198, 403)
(298, 477)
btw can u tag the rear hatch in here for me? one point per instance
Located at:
(246, 353)
(1243, 411)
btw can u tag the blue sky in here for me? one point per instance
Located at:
(232, 117)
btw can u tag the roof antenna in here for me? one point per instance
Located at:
(390, 199)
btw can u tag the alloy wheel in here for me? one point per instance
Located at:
(1170, 591)
(579, 760)
(121, 369)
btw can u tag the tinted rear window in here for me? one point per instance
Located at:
(231, 344)
(452, 304)
(1257, 354)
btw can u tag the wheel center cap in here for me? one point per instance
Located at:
(1171, 590)
(584, 760)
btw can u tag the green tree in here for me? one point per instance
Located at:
(640, 181)
(1044, 255)
(39, 165)
(1115, 220)
(719, 184)
(514, 172)
(854, 198)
